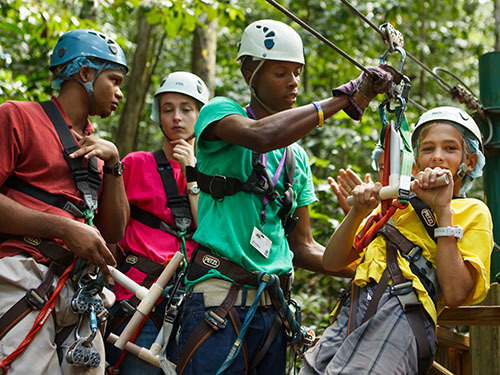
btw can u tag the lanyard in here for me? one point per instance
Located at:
(277, 174)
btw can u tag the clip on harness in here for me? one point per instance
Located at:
(398, 154)
(259, 182)
(178, 204)
(215, 320)
(87, 180)
(395, 138)
(181, 210)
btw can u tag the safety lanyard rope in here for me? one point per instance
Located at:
(277, 173)
(39, 320)
(400, 168)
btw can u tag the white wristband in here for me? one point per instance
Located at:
(455, 231)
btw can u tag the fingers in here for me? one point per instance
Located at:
(368, 179)
(348, 180)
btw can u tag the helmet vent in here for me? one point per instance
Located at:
(61, 52)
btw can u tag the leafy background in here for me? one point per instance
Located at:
(445, 33)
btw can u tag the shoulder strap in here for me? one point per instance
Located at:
(87, 179)
(425, 215)
(178, 204)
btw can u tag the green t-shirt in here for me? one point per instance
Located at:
(226, 226)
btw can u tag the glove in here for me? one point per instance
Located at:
(364, 88)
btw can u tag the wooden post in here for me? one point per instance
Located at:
(485, 341)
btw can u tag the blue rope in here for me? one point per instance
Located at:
(233, 353)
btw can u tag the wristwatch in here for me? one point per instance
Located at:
(193, 190)
(116, 170)
(455, 231)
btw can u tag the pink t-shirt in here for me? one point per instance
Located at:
(145, 189)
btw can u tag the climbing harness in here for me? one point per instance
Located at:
(178, 205)
(181, 229)
(85, 301)
(259, 182)
(269, 289)
(141, 313)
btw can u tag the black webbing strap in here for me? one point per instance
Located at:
(425, 215)
(259, 182)
(154, 221)
(178, 204)
(51, 199)
(87, 178)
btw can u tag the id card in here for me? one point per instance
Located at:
(260, 242)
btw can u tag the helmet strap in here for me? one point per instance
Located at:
(166, 136)
(254, 93)
(89, 87)
(462, 171)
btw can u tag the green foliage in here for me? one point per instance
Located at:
(451, 34)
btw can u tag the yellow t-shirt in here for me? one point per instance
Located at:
(475, 219)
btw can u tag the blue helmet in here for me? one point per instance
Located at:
(87, 43)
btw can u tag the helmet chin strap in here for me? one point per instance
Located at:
(461, 172)
(186, 139)
(89, 87)
(462, 169)
(254, 93)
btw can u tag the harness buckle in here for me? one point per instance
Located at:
(34, 299)
(217, 187)
(215, 321)
(413, 255)
(401, 288)
(72, 209)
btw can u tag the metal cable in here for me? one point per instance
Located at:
(374, 27)
(318, 35)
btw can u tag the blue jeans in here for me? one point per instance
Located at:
(209, 357)
(132, 365)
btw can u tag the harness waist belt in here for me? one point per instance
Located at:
(215, 291)
(202, 260)
(60, 255)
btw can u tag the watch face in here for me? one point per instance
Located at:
(194, 190)
(118, 169)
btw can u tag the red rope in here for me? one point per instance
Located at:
(388, 206)
(115, 369)
(39, 321)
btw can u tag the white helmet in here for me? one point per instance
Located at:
(182, 83)
(271, 40)
(446, 114)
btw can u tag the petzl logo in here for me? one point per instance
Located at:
(428, 217)
(35, 241)
(210, 261)
(131, 259)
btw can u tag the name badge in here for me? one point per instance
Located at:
(260, 242)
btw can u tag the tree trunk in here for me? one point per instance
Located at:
(139, 79)
(203, 54)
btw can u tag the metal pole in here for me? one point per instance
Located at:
(489, 85)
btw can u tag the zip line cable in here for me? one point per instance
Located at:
(318, 35)
(330, 44)
(445, 85)
(470, 100)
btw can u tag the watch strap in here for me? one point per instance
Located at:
(455, 231)
(191, 173)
